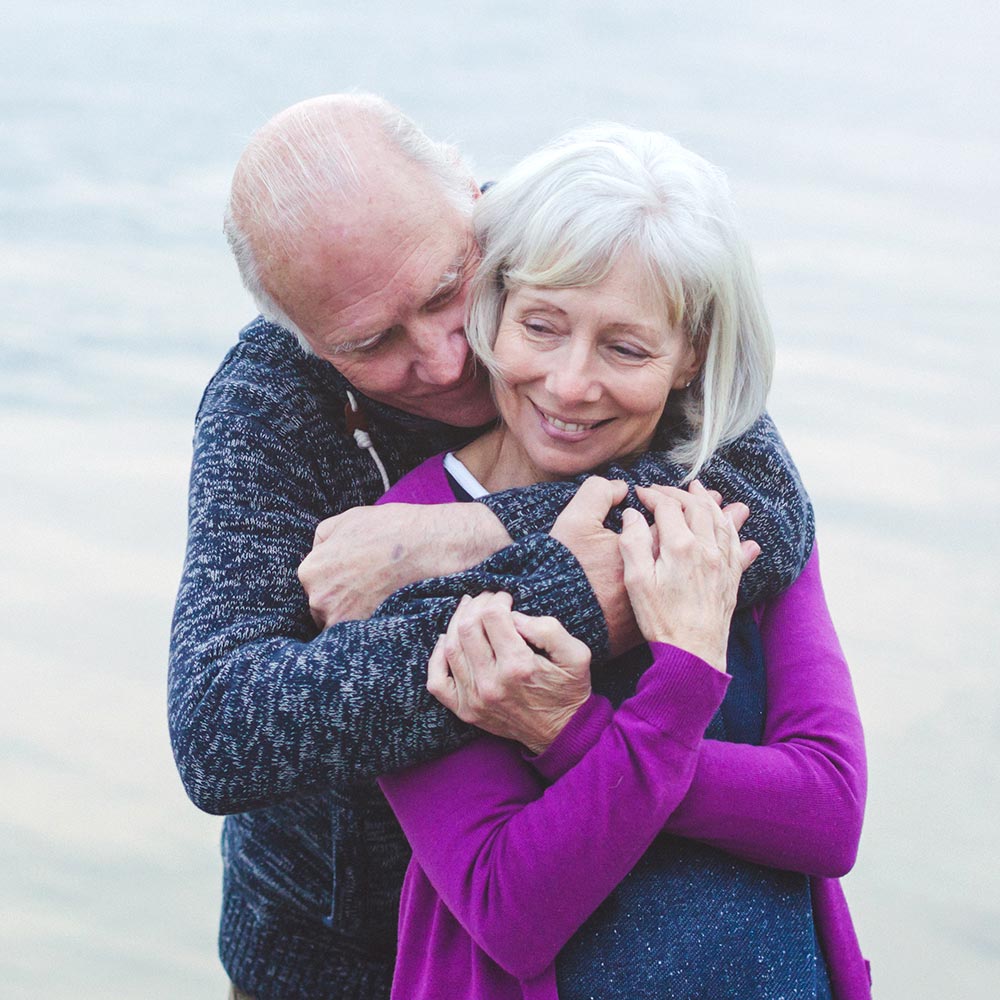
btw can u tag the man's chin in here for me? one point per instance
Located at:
(472, 412)
(467, 405)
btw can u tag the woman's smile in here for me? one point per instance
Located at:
(567, 429)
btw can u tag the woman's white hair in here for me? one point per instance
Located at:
(301, 158)
(566, 214)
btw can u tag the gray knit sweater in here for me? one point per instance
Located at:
(284, 730)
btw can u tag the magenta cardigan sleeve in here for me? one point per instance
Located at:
(504, 852)
(797, 801)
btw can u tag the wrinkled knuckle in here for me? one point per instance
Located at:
(520, 670)
(466, 626)
(490, 694)
(493, 613)
(683, 545)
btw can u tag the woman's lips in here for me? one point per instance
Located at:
(567, 430)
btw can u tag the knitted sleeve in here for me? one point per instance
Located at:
(756, 469)
(261, 708)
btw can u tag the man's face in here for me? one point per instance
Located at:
(380, 293)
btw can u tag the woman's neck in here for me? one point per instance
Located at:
(498, 461)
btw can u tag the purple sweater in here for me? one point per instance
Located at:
(510, 856)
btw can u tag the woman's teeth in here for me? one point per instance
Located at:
(564, 425)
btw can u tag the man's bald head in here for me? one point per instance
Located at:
(317, 164)
(354, 231)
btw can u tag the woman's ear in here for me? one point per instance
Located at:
(690, 365)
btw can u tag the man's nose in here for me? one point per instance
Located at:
(441, 351)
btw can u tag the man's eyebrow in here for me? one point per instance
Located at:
(455, 271)
(356, 345)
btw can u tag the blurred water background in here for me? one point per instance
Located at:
(863, 143)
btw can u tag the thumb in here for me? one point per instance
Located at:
(596, 496)
(551, 636)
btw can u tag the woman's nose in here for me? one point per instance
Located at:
(572, 378)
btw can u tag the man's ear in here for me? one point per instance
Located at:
(456, 161)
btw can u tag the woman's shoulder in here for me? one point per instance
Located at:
(426, 484)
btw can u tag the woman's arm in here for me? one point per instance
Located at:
(797, 801)
(501, 850)
(505, 853)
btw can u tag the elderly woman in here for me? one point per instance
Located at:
(617, 302)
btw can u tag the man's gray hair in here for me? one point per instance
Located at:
(295, 164)
(566, 214)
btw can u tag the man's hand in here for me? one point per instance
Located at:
(580, 527)
(518, 677)
(362, 556)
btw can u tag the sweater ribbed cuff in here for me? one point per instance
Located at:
(557, 585)
(578, 736)
(679, 694)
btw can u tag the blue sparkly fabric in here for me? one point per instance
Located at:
(690, 922)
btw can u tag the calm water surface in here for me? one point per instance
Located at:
(863, 146)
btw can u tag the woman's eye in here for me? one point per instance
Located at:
(628, 352)
(539, 329)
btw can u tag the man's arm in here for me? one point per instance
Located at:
(262, 709)
(755, 469)
(342, 574)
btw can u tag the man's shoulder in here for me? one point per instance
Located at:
(287, 408)
(267, 377)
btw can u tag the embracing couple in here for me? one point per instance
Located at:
(501, 641)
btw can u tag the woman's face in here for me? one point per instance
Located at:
(586, 371)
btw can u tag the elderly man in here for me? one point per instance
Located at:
(352, 231)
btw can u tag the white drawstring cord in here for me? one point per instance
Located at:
(364, 441)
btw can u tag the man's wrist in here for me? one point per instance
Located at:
(481, 536)
(447, 539)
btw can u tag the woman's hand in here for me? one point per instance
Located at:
(683, 582)
(518, 677)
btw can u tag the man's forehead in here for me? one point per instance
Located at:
(374, 280)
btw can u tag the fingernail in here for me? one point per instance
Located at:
(629, 516)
